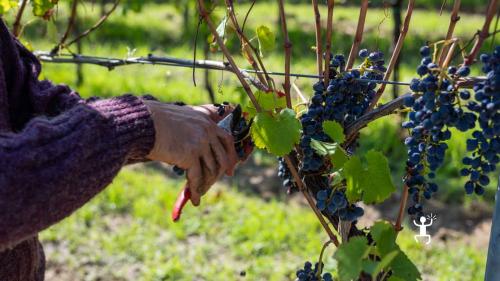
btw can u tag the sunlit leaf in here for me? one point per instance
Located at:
(266, 39)
(370, 182)
(277, 134)
(6, 5)
(334, 130)
(267, 102)
(350, 256)
(41, 7)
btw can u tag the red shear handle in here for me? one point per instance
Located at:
(182, 199)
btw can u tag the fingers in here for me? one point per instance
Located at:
(195, 181)
(219, 154)
(211, 165)
(230, 152)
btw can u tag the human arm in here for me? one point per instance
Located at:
(55, 165)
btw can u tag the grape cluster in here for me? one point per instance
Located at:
(310, 274)
(434, 110)
(485, 143)
(344, 100)
(336, 202)
(436, 106)
(347, 96)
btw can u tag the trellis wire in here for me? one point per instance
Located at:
(111, 63)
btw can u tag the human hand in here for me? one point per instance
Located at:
(212, 111)
(189, 138)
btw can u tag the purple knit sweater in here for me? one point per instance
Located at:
(57, 151)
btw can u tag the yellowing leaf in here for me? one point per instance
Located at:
(266, 39)
(6, 5)
(267, 101)
(40, 7)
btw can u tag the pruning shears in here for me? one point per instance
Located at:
(236, 124)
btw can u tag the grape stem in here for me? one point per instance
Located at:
(287, 45)
(320, 261)
(17, 26)
(359, 34)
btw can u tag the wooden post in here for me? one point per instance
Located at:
(493, 260)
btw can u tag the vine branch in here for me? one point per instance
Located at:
(69, 27)
(17, 26)
(227, 54)
(328, 45)
(373, 115)
(395, 54)
(246, 45)
(483, 34)
(287, 45)
(309, 199)
(95, 26)
(359, 34)
(454, 18)
(317, 27)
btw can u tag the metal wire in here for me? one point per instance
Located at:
(111, 63)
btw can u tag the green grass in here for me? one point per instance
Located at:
(126, 233)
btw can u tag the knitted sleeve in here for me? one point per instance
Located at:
(56, 164)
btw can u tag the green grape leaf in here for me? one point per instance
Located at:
(384, 235)
(40, 7)
(369, 266)
(353, 173)
(334, 130)
(267, 102)
(266, 39)
(394, 278)
(221, 31)
(404, 268)
(324, 148)
(338, 158)
(383, 264)
(350, 256)
(337, 154)
(6, 5)
(277, 134)
(338, 177)
(370, 182)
